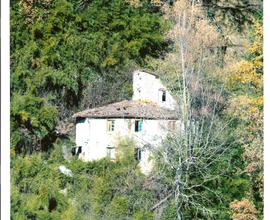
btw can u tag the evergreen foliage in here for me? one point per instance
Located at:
(59, 47)
(69, 55)
(245, 83)
(97, 190)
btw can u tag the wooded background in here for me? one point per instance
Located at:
(69, 55)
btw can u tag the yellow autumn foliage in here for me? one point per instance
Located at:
(24, 116)
(246, 76)
(244, 104)
(257, 46)
(248, 73)
(244, 73)
(245, 80)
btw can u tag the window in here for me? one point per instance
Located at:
(79, 150)
(138, 154)
(111, 153)
(80, 120)
(129, 124)
(76, 151)
(110, 125)
(162, 95)
(138, 125)
(172, 125)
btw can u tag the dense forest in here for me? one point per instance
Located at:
(69, 55)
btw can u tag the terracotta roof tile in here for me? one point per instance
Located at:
(129, 109)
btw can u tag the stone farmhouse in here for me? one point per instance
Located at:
(146, 119)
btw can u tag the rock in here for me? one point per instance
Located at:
(65, 171)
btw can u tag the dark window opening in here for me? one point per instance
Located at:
(138, 125)
(138, 154)
(163, 96)
(80, 120)
(76, 151)
(79, 150)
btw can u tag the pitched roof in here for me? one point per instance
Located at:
(149, 72)
(129, 109)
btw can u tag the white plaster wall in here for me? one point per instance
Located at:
(94, 138)
(146, 87)
(82, 132)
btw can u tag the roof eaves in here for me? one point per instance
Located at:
(149, 72)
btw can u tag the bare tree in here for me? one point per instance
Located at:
(189, 152)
